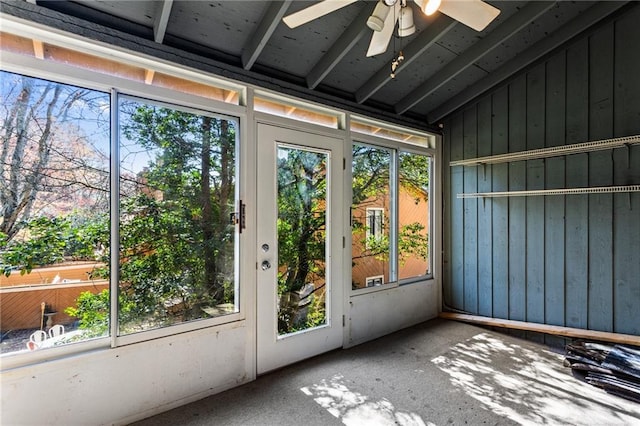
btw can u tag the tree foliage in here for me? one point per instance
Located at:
(372, 186)
(301, 199)
(176, 242)
(47, 241)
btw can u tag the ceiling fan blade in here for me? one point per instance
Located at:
(315, 11)
(380, 39)
(473, 13)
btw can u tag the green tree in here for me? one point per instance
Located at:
(48, 241)
(302, 189)
(301, 217)
(371, 180)
(176, 240)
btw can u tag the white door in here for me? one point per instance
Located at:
(299, 265)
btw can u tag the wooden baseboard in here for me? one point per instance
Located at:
(569, 332)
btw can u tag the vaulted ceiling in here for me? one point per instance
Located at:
(446, 63)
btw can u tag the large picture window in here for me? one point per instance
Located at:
(176, 252)
(390, 215)
(177, 194)
(54, 218)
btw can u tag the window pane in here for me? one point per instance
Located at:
(54, 213)
(413, 215)
(370, 215)
(177, 243)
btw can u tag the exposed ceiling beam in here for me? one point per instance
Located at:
(504, 31)
(417, 47)
(340, 48)
(566, 32)
(267, 26)
(161, 21)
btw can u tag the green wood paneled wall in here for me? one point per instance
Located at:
(569, 260)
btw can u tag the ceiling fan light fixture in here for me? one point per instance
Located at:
(429, 7)
(406, 26)
(376, 20)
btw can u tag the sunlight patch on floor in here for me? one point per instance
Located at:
(355, 409)
(530, 387)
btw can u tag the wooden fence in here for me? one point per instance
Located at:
(21, 296)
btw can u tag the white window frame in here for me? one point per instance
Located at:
(397, 147)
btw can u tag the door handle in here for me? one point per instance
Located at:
(265, 265)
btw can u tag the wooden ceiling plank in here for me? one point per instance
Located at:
(417, 47)
(162, 20)
(566, 32)
(499, 35)
(340, 48)
(263, 33)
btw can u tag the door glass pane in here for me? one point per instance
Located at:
(177, 192)
(371, 213)
(413, 215)
(302, 238)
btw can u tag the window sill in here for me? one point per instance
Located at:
(26, 358)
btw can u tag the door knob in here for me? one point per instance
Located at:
(265, 265)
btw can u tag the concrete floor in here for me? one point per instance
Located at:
(437, 373)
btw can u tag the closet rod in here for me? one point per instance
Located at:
(559, 191)
(554, 151)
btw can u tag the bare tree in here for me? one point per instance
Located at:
(44, 157)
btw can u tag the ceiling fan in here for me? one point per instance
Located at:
(387, 13)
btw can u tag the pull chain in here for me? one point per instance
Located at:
(395, 63)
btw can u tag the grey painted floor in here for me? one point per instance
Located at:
(437, 373)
